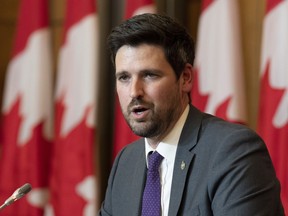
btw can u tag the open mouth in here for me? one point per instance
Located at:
(139, 110)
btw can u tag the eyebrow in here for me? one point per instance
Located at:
(117, 74)
(142, 71)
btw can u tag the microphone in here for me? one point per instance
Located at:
(18, 194)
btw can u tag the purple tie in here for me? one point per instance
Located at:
(151, 203)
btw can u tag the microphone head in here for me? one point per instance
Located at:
(25, 189)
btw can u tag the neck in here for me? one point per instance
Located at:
(153, 144)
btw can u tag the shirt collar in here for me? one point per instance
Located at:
(167, 147)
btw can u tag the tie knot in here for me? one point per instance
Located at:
(154, 161)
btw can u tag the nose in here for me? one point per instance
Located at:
(136, 88)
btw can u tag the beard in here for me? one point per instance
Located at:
(159, 121)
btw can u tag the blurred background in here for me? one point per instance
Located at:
(186, 11)
(57, 89)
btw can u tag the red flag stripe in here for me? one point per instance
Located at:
(206, 4)
(76, 12)
(271, 4)
(273, 101)
(73, 179)
(27, 112)
(132, 6)
(33, 15)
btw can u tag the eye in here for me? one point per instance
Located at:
(150, 75)
(123, 77)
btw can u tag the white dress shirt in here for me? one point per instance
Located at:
(167, 148)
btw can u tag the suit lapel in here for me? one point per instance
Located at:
(181, 167)
(138, 180)
(184, 157)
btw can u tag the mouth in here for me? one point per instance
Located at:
(139, 113)
(139, 110)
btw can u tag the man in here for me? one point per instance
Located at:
(207, 166)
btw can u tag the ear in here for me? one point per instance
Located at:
(187, 78)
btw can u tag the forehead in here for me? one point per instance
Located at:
(137, 57)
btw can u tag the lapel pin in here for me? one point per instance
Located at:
(183, 165)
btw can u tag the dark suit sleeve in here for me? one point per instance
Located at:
(106, 207)
(243, 181)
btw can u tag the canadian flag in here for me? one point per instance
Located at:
(27, 112)
(273, 107)
(123, 135)
(218, 82)
(136, 7)
(74, 181)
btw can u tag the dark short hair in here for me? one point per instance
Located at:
(155, 29)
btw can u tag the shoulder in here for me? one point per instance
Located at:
(131, 151)
(219, 138)
(230, 137)
(215, 130)
(232, 146)
(217, 127)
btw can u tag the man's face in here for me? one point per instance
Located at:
(151, 97)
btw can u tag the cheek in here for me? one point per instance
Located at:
(122, 95)
(162, 94)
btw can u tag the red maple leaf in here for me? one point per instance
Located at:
(72, 162)
(275, 138)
